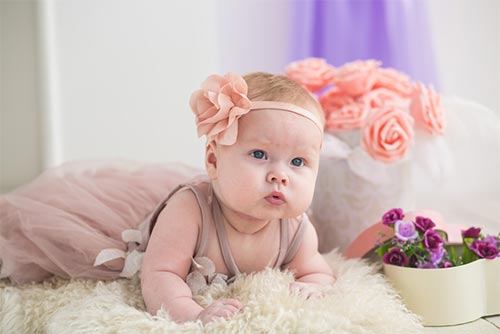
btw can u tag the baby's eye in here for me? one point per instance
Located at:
(297, 162)
(259, 154)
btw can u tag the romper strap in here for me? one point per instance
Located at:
(294, 246)
(225, 249)
(284, 238)
(201, 198)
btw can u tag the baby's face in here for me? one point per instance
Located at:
(270, 172)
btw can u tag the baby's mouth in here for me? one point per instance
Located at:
(276, 198)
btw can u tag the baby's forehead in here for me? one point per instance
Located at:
(279, 127)
(277, 117)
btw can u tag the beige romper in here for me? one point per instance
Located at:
(202, 271)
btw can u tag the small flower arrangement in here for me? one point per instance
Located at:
(417, 244)
(381, 102)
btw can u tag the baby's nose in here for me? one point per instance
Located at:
(277, 177)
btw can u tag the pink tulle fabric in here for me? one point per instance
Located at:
(60, 221)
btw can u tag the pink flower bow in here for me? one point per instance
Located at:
(218, 105)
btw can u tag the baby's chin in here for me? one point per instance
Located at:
(286, 215)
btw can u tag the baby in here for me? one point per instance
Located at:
(264, 134)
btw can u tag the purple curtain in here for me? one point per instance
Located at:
(393, 31)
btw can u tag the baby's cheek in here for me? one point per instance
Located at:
(306, 192)
(237, 193)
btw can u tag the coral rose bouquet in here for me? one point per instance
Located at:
(382, 103)
(373, 117)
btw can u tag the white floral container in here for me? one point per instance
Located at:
(449, 296)
(353, 191)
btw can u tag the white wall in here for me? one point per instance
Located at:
(113, 78)
(467, 45)
(120, 75)
(253, 35)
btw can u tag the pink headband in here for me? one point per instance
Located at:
(221, 101)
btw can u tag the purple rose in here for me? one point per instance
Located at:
(423, 223)
(433, 241)
(427, 265)
(437, 256)
(484, 249)
(472, 232)
(396, 257)
(491, 240)
(447, 264)
(405, 230)
(392, 216)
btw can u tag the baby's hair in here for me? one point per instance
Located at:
(264, 86)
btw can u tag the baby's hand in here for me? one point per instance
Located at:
(223, 308)
(306, 290)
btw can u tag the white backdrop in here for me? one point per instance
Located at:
(466, 36)
(120, 74)
(113, 78)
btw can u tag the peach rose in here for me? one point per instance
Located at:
(426, 108)
(218, 105)
(312, 73)
(395, 81)
(356, 78)
(388, 133)
(381, 97)
(342, 112)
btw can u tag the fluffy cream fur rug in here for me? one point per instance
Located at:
(361, 301)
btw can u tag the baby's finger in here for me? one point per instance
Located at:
(299, 290)
(230, 309)
(226, 312)
(294, 287)
(319, 294)
(233, 302)
(304, 293)
(315, 294)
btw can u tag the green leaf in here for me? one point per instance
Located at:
(454, 259)
(468, 256)
(384, 248)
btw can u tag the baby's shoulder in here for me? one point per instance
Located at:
(193, 194)
(296, 223)
(183, 207)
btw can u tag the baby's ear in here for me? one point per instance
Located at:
(211, 160)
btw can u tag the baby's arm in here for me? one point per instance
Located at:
(167, 261)
(308, 264)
